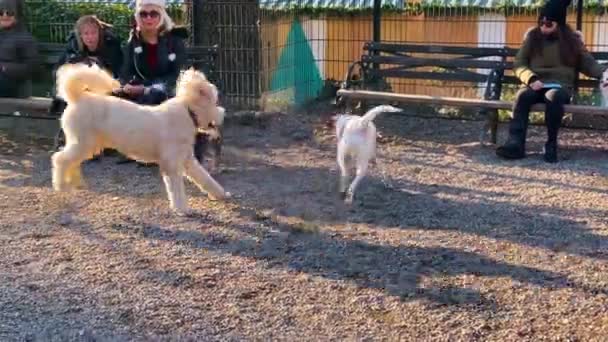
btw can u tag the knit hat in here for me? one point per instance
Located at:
(9, 5)
(555, 10)
(141, 3)
(166, 20)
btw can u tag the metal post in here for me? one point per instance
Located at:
(579, 27)
(376, 14)
(579, 15)
(376, 24)
(197, 14)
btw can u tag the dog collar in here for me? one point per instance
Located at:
(193, 117)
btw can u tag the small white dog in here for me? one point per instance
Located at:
(163, 134)
(356, 137)
(604, 88)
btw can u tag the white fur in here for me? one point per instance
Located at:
(356, 137)
(604, 88)
(162, 134)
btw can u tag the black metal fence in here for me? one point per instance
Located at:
(289, 52)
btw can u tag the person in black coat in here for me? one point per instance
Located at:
(92, 42)
(18, 51)
(154, 55)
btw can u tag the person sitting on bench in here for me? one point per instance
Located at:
(92, 42)
(154, 55)
(18, 51)
(546, 64)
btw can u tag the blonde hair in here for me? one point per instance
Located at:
(89, 20)
(165, 23)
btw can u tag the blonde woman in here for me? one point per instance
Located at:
(93, 41)
(154, 54)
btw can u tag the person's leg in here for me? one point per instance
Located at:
(555, 99)
(515, 147)
(6, 87)
(153, 97)
(200, 144)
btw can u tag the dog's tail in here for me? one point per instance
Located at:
(74, 80)
(372, 113)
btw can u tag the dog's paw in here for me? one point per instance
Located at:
(61, 187)
(348, 198)
(184, 212)
(224, 196)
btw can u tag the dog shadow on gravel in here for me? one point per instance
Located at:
(310, 194)
(410, 272)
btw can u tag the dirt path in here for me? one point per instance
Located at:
(457, 245)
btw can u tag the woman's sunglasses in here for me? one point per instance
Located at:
(151, 14)
(547, 23)
(7, 13)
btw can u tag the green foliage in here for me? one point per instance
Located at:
(429, 8)
(52, 20)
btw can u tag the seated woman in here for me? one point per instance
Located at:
(154, 55)
(18, 51)
(547, 64)
(91, 42)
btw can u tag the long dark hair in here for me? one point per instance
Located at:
(570, 44)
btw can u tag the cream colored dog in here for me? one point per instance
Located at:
(604, 88)
(356, 136)
(163, 134)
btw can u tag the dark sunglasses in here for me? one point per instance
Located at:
(547, 23)
(7, 13)
(151, 14)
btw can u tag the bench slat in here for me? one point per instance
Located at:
(30, 104)
(439, 49)
(460, 102)
(437, 62)
(459, 76)
(584, 83)
(454, 50)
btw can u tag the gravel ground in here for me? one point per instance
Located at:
(445, 242)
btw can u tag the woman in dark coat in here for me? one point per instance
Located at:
(547, 63)
(92, 42)
(18, 51)
(154, 55)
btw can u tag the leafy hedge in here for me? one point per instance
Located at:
(430, 7)
(52, 20)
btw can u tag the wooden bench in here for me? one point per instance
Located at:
(365, 80)
(201, 57)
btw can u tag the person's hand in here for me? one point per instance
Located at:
(93, 60)
(133, 90)
(580, 36)
(537, 85)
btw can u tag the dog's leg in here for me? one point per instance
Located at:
(341, 159)
(214, 163)
(74, 176)
(361, 172)
(63, 163)
(174, 183)
(197, 174)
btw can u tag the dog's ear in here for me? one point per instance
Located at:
(209, 91)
